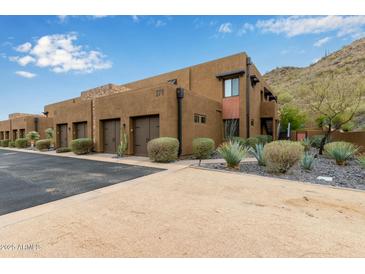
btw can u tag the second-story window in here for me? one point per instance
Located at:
(231, 87)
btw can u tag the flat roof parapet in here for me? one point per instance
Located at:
(102, 91)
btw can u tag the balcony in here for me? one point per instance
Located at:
(269, 109)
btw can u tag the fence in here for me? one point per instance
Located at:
(356, 137)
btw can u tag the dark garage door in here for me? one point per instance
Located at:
(80, 130)
(145, 129)
(111, 135)
(62, 135)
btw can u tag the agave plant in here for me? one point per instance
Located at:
(341, 151)
(307, 161)
(258, 152)
(232, 153)
(361, 160)
(307, 143)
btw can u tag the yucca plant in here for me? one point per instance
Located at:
(258, 152)
(307, 161)
(361, 161)
(341, 151)
(307, 143)
(232, 153)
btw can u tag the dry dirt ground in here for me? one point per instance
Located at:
(191, 212)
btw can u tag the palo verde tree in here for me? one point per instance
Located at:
(336, 100)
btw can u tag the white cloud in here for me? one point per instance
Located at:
(24, 47)
(157, 23)
(60, 53)
(321, 42)
(23, 61)
(225, 28)
(25, 74)
(246, 27)
(299, 25)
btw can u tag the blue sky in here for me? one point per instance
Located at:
(45, 59)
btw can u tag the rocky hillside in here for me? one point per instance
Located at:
(350, 61)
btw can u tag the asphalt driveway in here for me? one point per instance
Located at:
(28, 179)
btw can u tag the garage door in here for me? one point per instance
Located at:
(145, 129)
(111, 135)
(80, 130)
(62, 135)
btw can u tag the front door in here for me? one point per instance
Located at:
(145, 129)
(62, 133)
(111, 135)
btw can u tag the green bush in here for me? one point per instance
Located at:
(82, 146)
(5, 143)
(258, 152)
(294, 116)
(11, 144)
(33, 136)
(341, 151)
(49, 133)
(232, 153)
(203, 148)
(306, 143)
(63, 149)
(361, 161)
(316, 140)
(43, 144)
(264, 139)
(241, 141)
(280, 156)
(307, 161)
(21, 142)
(163, 149)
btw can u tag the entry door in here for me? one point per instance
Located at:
(111, 135)
(63, 135)
(145, 129)
(80, 130)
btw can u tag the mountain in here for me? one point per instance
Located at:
(348, 61)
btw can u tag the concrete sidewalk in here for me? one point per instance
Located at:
(190, 212)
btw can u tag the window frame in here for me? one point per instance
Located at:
(232, 81)
(200, 118)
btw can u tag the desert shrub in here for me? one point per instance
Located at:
(82, 146)
(49, 133)
(252, 142)
(43, 144)
(63, 149)
(258, 152)
(306, 143)
(33, 136)
(349, 126)
(307, 161)
(340, 151)
(163, 149)
(280, 156)
(11, 143)
(21, 143)
(264, 139)
(232, 153)
(361, 161)
(316, 140)
(5, 143)
(203, 148)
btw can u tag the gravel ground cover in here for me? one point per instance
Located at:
(351, 175)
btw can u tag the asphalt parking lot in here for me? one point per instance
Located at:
(28, 179)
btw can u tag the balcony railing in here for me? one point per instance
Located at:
(269, 109)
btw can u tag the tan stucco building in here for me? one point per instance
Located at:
(216, 99)
(19, 124)
(213, 99)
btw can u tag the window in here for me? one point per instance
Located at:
(199, 118)
(231, 128)
(231, 87)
